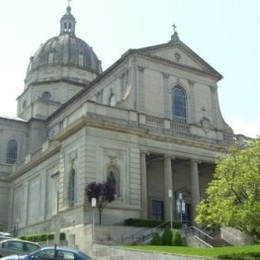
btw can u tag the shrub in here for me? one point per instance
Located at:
(177, 239)
(167, 237)
(43, 237)
(62, 236)
(156, 239)
(50, 236)
(241, 256)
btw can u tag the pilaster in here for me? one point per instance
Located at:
(144, 193)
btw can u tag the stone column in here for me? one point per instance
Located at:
(144, 193)
(168, 186)
(195, 191)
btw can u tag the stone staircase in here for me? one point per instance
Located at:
(199, 238)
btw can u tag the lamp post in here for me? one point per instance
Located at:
(93, 205)
(170, 198)
(180, 202)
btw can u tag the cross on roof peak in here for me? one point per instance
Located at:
(174, 28)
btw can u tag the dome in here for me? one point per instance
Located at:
(66, 50)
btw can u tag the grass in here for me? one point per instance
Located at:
(205, 252)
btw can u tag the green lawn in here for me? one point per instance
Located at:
(206, 252)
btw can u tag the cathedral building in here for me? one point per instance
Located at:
(151, 120)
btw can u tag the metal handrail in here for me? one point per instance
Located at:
(141, 235)
(202, 235)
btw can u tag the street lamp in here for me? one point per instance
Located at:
(170, 198)
(93, 205)
(180, 202)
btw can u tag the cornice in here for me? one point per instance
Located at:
(88, 121)
(36, 160)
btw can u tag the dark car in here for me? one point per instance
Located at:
(17, 246)
(51, 253)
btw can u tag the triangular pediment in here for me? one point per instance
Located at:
(178, 53)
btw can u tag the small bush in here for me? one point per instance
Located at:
(43, 237)
(156, 239)
(62, 236)
(177, 239)
(50, 236)
(167, 237)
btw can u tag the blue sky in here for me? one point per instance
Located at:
(225, 33)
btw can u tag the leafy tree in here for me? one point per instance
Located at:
(167, 237)
(233, 196)
(104, 194)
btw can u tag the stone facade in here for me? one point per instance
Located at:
(152, 118)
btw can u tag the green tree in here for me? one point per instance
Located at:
(233, 196)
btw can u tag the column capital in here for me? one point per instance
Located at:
(192, 160)
(172, 157)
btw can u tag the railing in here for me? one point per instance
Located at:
(153, 121)
(179, 127)
(141, 236)
(200, 234)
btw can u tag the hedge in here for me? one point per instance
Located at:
(42, 237)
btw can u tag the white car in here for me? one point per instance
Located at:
(51, 253)
(17, 246)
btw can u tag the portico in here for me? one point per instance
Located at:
(185, 177)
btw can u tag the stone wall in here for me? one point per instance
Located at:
(235, 236)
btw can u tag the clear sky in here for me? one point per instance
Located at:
(225, 33)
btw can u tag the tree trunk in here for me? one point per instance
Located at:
(100, 215)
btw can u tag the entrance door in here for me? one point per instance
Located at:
(157, 210)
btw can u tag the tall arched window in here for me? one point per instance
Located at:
(112, 100)
(12, 148)
(179, 106)
(72, 187)
(113, 177)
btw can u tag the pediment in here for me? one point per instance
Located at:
(179, 53)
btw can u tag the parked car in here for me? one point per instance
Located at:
(4, 237)
(51, 253)
(13, 246)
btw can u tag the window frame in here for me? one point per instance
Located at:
(12, 151)
(179, 104)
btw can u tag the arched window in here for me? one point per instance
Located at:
(112, 100)
(46, 96)
(179, 106)
(72, 187)
(113, 177)
(12, 148)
